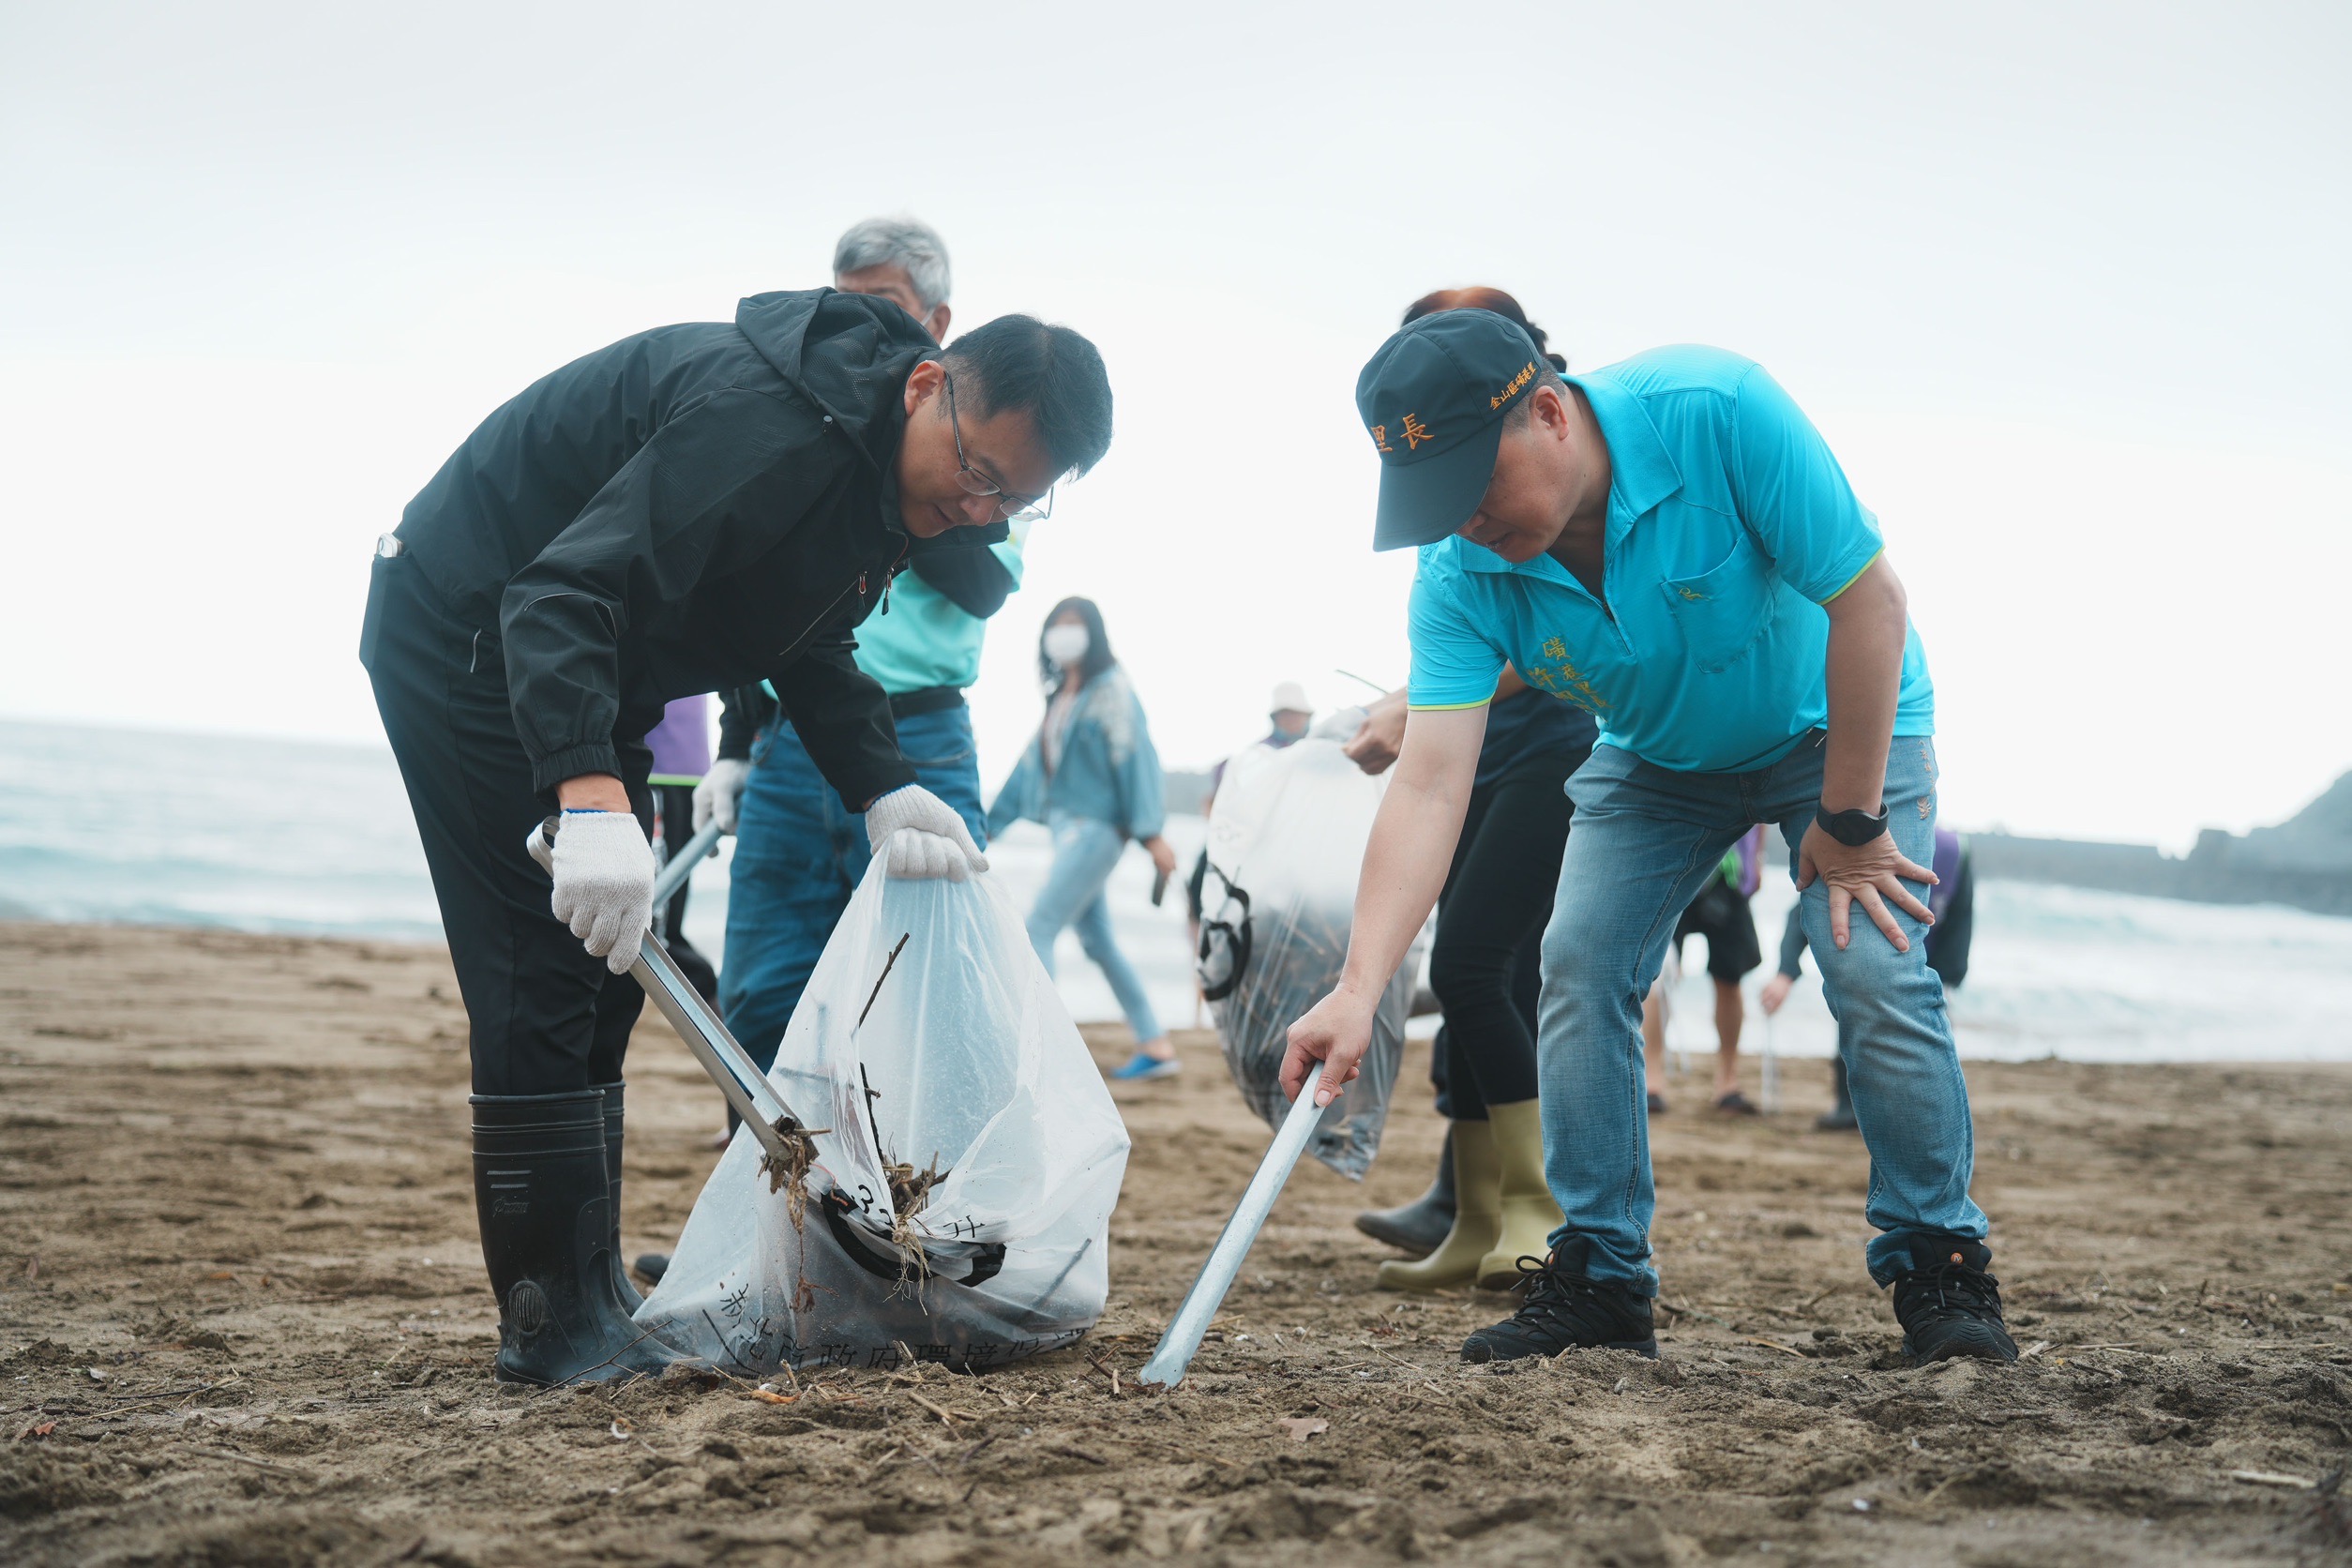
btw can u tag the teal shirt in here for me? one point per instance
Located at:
(1730, 526)
(926, 639)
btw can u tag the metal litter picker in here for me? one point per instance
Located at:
(1165, 1368)
(705, 1034)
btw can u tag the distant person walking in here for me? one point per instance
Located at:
(1721, 914)
(1092, 776)
(1952, 900)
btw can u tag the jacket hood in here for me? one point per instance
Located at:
(850, 353)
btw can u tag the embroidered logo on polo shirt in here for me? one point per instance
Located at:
(1567, 682)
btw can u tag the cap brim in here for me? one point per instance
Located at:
(1422, 503)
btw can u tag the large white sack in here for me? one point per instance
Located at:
(1285, 842)
(973, 1065)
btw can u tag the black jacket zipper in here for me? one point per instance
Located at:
(824, 616)
(858, 588)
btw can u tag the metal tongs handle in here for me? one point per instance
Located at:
(705, 1034)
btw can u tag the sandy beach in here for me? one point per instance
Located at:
(243, 1319)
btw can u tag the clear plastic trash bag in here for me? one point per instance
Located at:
(968, 1076)
(1285, 842)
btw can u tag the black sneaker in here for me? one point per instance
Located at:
(1563, 1310)
(1949, 1305)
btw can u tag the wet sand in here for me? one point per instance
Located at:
(243, 1319)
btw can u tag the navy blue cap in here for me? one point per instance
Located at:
(1433, 400)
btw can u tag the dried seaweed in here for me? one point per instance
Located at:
(910, 1189)
(789, 1173)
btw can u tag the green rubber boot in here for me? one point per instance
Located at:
(1528, 1215)
(1477, 1218)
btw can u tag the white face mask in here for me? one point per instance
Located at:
(1065, 644)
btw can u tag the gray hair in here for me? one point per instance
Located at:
(901, 242)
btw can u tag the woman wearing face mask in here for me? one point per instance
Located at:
(1090, 775)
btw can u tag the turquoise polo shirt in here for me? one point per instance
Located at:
(927, 639)
(1729, 526)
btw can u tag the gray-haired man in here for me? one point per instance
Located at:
(902, 260)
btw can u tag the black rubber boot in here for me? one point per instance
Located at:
(546, 1210)
(1565, 1310)
(614, 1137)
(1947, 1305)
(1839, 1118)
(1418, 1227)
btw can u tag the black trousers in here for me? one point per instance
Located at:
(1486, 966)
(545, 1017)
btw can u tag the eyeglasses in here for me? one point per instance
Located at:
(1009, 508)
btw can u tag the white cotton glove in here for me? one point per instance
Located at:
(720, 792)
(924, 834)
(604, 882)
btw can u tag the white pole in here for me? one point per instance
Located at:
(1183, 1339)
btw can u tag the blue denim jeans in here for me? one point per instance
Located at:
(1084, 853)
(1646, 840)
(798, 855)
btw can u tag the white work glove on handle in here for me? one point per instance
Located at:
(720, 792)
(924, 835)
(604, 882)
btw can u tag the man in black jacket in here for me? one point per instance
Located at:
(691, 509)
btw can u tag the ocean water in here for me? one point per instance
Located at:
(317, 839)
(303, 838)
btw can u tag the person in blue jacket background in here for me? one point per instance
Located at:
(1092, 776)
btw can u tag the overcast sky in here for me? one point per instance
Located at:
(2063, 285)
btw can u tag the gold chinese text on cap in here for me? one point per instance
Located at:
(1512, 388)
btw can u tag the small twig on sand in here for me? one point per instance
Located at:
(1773, 1345)
(608, 1360)
(132, 1401)
(271, 1465)
(2273, 1478)
(946, 1416)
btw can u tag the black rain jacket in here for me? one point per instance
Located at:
(692, 509)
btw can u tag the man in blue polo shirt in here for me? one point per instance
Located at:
(1668, 543)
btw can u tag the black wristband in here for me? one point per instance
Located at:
(1851, 828)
